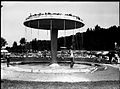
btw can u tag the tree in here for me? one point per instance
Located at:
(15, 47)
(22, 44)
(14, 44)
(22, 41)
(9, 49)
(34, 45)
(97, 28)
(3, 42)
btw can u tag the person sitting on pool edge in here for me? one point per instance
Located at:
(71, 58)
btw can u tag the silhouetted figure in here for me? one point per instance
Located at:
(111, 55)
(71, 59)
(45, 53)
(117, 50)
(8, 60)
(62, 54)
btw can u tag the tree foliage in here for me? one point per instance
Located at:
(15, 46)
(96, 38)
(22, 41)
(3, 42)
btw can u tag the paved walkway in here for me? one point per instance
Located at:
(114, 65)
(25, 74)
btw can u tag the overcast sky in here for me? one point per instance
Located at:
(13, 14)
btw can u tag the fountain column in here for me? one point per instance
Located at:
(54, 35)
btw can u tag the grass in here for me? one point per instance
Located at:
(8, 84)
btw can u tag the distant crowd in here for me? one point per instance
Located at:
(111, 56)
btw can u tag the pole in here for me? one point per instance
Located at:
(38, 30)
(82, 41)
(64, 34)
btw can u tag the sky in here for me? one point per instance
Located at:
(14, 13)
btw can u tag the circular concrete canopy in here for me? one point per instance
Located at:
(59, 22)
(53, 22)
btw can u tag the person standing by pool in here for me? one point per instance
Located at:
(44, 53)
(8, 60)
(71, 58)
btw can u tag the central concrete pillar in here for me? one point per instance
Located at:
(54, 35)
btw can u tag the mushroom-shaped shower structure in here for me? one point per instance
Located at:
(54, 22)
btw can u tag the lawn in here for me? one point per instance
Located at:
(7, 84)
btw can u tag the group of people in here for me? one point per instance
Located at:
(112, 55)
